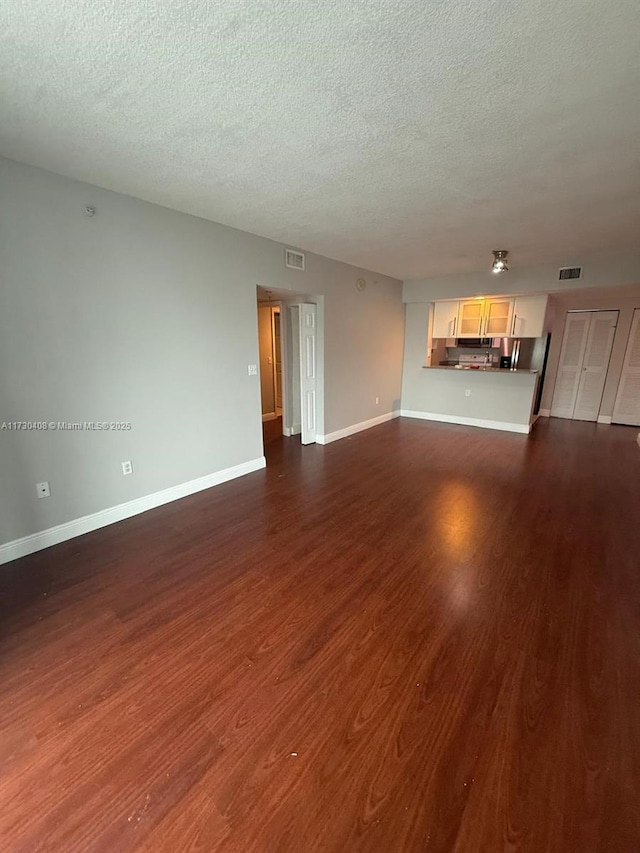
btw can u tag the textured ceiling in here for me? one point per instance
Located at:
(410, 137)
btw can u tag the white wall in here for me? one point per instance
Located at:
(613, 269)
(146, 315)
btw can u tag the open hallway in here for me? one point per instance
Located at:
(420, 638)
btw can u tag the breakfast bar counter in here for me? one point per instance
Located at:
(492, 398)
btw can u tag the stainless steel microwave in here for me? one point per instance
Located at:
(474, 342)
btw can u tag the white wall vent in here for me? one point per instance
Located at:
(565, 273)
(293, 260)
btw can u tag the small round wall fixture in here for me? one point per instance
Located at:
(500, 261)
(361, 284)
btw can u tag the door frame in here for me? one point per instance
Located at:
(286, 300)
(277, 309)
(267, 416)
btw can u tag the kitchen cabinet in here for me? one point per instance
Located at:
(445, 319)
(498, 314)
(491, 318)
(528, 316)
(470, 319)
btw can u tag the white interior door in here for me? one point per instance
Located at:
(595, 365)
(574, 344)
(277, 359)
(308, 371)
(627, 406)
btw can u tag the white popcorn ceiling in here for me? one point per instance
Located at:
(410, 137)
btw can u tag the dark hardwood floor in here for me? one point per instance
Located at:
(421, 638)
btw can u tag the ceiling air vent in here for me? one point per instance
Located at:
(565, 273)
(293, 260)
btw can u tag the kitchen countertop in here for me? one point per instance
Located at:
(475, 369)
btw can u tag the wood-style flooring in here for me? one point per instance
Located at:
(421, 638)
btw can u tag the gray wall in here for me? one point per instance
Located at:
(146, 315)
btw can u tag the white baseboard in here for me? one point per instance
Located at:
(475, 422)
(354, 428)
(604, 419)
(70, 529)
(545, 413)
(296, 429)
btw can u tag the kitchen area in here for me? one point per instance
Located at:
(483, 364)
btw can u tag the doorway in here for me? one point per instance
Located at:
(290, 366)
(584, 362)
(270, 346)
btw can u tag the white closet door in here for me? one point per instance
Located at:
(595, 365)
(574, 343)
(627, 407)
(308, 379)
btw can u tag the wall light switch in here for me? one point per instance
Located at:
(43, 490)
(127, 468)
(467, 393)
(253, 369)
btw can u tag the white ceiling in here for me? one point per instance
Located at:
(410, 137)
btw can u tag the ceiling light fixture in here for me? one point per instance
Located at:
(500, 260)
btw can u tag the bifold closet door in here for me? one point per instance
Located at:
(574, 343)
(627, 406)
(595, 365)
(584, 361)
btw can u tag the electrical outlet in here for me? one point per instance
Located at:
(43, 490)
(467, 393)
(377, 401)
(253, 369)
(127, 468)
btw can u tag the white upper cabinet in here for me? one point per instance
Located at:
(445, 320)
(528, 316)
(470, 319)
(490, 318)
(498, 317)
